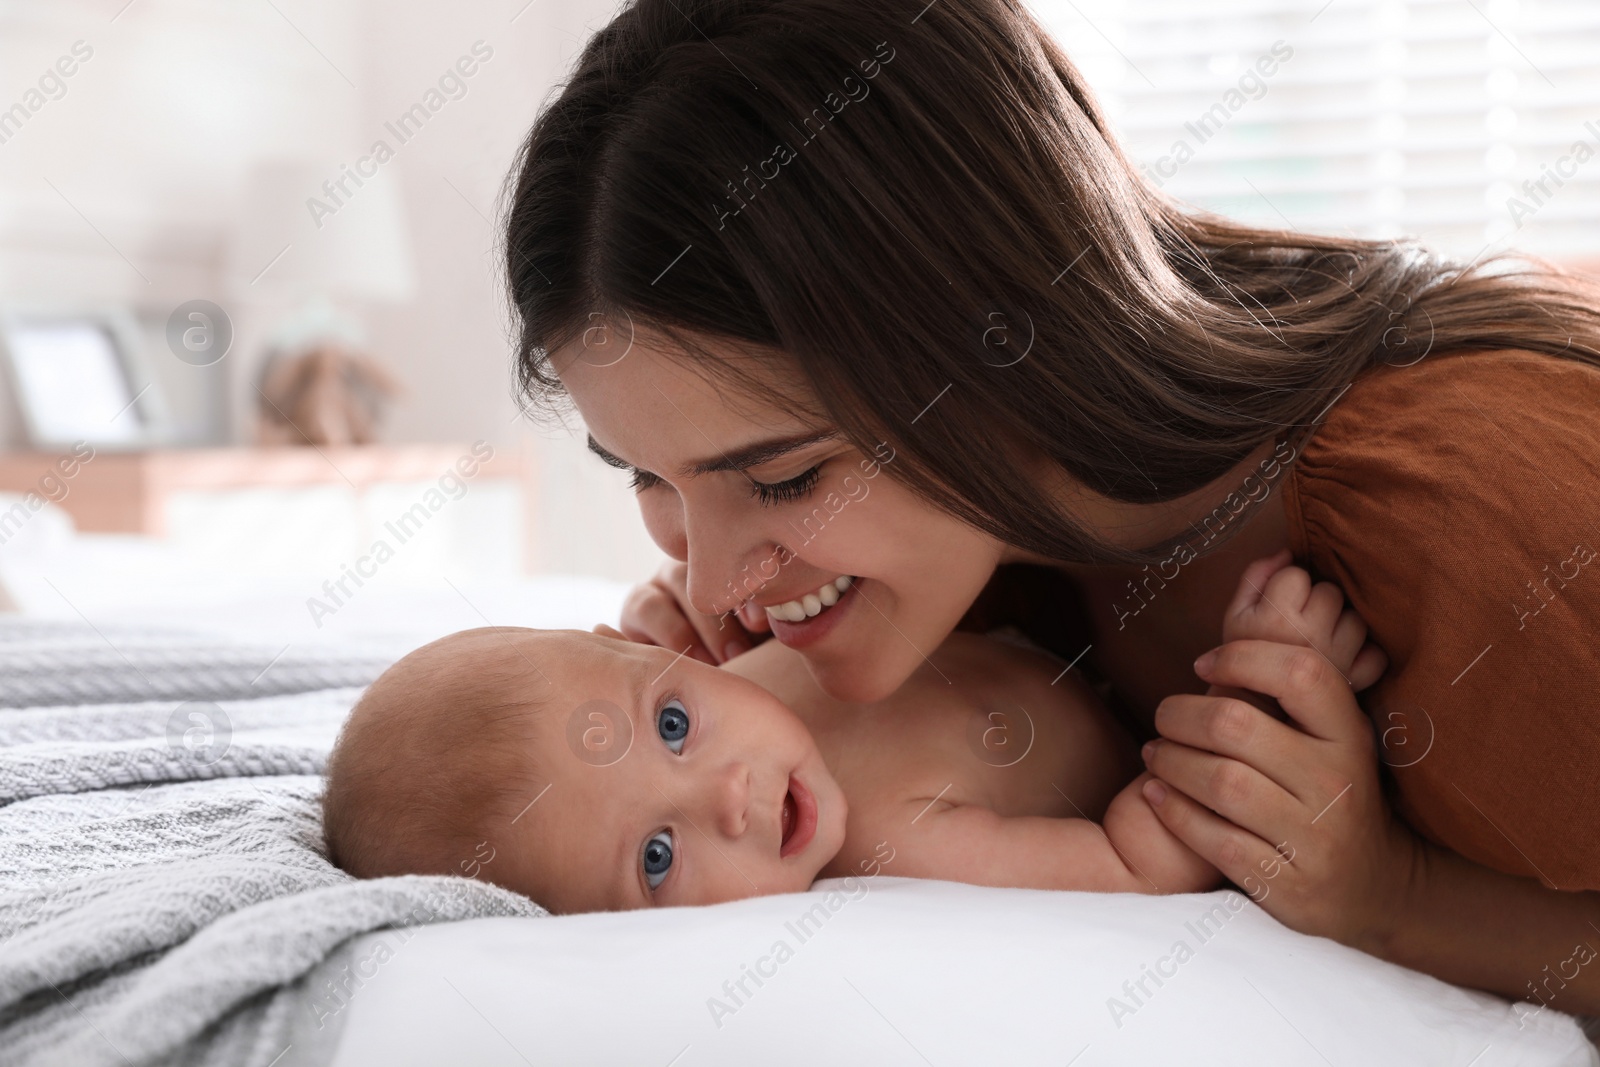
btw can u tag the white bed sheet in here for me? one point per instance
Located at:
(914, 972)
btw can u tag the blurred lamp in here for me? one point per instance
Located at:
(313, 235)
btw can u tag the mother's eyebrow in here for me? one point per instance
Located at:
(620, 464)
(757, 453)
(751, 455)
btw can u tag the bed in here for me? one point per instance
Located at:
(163, 899)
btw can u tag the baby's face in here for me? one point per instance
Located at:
(671, 782)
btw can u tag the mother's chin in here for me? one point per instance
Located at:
(866, 653)
(860, 675)
(899, 607)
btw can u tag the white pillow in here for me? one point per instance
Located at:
(894, 970)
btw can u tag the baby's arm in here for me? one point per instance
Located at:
(1147, 846)
(1032, 821)
(1057, 833)
(974, 844)
(1135, 852)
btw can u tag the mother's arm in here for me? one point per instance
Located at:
(1297, 819)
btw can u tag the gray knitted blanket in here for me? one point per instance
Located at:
(162, 881)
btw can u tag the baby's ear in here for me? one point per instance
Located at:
(606, 631)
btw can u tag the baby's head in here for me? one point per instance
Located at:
(585, 772)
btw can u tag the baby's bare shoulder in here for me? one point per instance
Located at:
(996, 651)
(1009, 726)
(988, 670)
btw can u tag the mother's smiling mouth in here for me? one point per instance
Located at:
(811, 604)
(812, 626)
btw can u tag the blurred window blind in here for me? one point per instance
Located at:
(1472, 124)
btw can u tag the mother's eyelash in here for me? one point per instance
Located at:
(785, 491)
(768, 493)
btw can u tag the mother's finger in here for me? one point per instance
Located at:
(651, 617)
(1236, 791)
(1314, 692)
(1237, 853)
(1233, 728)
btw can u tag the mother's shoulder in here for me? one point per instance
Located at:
(1471, 449)
(1447, 381)
(1458, 404)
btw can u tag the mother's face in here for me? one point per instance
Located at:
(771, 510)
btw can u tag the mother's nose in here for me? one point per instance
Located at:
(726, 569)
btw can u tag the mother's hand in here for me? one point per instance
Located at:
(1296, 818)
(658, 612)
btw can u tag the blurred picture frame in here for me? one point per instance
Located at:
(78, 374)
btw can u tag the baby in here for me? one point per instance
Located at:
(591, 773)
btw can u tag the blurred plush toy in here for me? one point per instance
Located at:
(328, 395)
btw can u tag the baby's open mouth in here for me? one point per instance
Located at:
(813, 603)
(798, 821)
(788, 820)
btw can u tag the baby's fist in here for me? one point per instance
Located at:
(1277, 601)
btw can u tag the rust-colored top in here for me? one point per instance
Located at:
(1457, 502)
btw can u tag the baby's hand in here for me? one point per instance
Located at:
(1277, 602)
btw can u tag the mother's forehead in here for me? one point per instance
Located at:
(615, 342)
(656, 377)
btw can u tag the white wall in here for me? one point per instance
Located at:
(126, 190)
(451, 345)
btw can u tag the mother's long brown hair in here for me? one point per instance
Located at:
(900, 198)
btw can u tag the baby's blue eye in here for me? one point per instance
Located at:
(672, 723)
(658, 858)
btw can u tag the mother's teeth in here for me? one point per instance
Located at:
(812, 604)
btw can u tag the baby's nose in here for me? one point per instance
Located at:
(730, 800)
